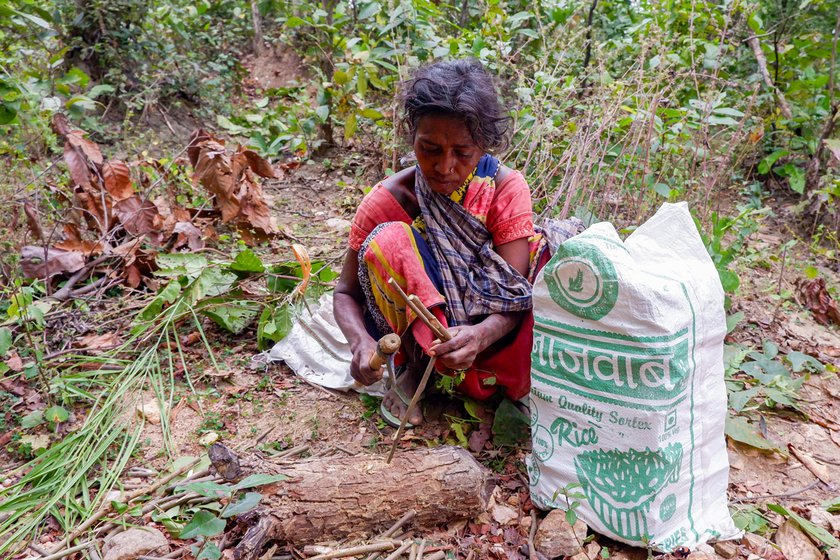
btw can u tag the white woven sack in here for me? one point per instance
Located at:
(627, 392)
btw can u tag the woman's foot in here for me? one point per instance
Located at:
(396, 401)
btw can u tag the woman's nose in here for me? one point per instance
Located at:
(445, 164)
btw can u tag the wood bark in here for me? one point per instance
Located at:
(355, 497)
(259, 46)
(784, 106)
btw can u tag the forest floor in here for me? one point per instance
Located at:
(269, 409)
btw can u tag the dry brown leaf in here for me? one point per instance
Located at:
(33, 222)
(77, 164)
(97, 217)
(132, 275)
(188, 235)
(796, 544)
(37, 263)
(80, 246)
(230, 180)
(138, 217)
(85, 146)
(259, 165)
(818, 469)
(819, 301)
(117, 179)
(194, 147)
(99, 341)
(14, 362)
(213, 171)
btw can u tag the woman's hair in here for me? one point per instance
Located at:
(463, 89)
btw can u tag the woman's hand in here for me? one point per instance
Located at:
(460, 352)
(360, 366)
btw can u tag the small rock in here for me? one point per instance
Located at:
(503, 514)
(698, 555)
(820, 517)
(338, 224)
(796, 544)
(149, 411)
(555, 537)
(593, 549)
(525, 522)
(113, 496)
(727, 549)
(135, 542)
(835, 523)
(758, 545)
(580, 556)
(834, 554)
(209, 438)
(707, 548)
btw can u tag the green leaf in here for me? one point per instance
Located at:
(208, 489)
(274, 324)
(32, 419)
(728, 111)
(323, 112)
(247, 261)
(211, 282)
(767, 163)
(796, 180)
(733, 320)
(259, 480)
(662, 190)
(740, 430)
(771, 350)
(5, 341)
(232, 316)
(172, 265)
(295, 21)
(811, 272)
(8, 112)
(231, 127)
(369, 10)
(209, 552)
(248, 502)
(510, 425)
(100, 89)
(739, 399)
(350, 126)
(815, 531)
(832, 505)
(729, 280)
(799, 361)
(341, 77)
(372, 114)
(56, 414)
(203, 524)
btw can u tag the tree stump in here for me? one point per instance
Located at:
(354, 497)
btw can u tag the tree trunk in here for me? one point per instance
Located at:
(259, 46)
(355, 497)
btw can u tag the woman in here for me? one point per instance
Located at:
(456, 230)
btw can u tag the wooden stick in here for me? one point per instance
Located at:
(399, 552)
(67, 552)
(363, 549)
(421, 312)
(438, 329)
(420, 388)
(407, 516)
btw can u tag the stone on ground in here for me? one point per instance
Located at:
(138, 541)
(556, 538)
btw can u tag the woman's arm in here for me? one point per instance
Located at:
(470, 340)
(349, 314)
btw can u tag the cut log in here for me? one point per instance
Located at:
(356, 497)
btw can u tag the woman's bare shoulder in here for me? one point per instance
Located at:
(506, 177)
(401, 187)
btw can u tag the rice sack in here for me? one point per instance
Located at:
(627, 393)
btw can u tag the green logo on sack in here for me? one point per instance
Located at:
(582, 280)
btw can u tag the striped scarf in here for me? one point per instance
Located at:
(476, 280)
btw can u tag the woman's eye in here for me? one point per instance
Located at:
(463, 155)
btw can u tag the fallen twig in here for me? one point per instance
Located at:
(407, 516)
(356, 550)
(67, 552)
(399, 552)
(532, 551)
(767, 496)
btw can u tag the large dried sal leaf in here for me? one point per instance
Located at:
(80, 246)
(85, 146)
(36, 262)
(258, 165)
(77, 165)
(138, 216)
(117, 179)
(188, 235)
(213, 171)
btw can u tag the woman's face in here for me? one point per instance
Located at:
(445, 152)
